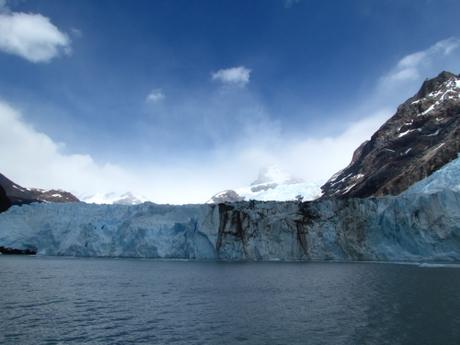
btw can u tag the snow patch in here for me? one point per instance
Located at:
(400, 135)
(389, 150)
(407, 151)
(430, 108)
(349, 188)
(433, 134)
(18, 188)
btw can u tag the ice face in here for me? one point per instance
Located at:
(446, 178)
(417, 226)
(80, 229)
(422, 223)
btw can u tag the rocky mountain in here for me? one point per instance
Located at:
(53, 195)
(421, 137)
(272, 184)
(225, 196)
(5, 203)
(13, 194)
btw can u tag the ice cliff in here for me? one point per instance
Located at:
(448, 177)
(413, 226)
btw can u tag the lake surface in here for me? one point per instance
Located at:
(46, 300)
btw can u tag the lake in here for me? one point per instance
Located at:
(58, 300)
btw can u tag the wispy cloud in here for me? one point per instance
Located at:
(155, 96)
(31, 36)
(76, 32)
(290, 3)
(237, 76)
(420, 64)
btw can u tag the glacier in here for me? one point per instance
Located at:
(448, 177)
(409, 227)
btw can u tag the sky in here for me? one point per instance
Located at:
(177, 100)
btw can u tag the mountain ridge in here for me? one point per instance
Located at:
(421, 137)
(13, 194)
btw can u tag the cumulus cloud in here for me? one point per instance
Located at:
(237, 76)
(155, 96)
(31, 36)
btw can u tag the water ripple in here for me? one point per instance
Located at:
(101, 301)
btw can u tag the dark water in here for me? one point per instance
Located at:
(109, 301)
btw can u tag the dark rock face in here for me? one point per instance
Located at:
(420, 138)
(14, 251)
(4, 201)
(53, 195)
(13, 194)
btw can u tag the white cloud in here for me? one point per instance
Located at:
(319, 158)
(35, 160)
(422, 64)
(32, 159)
(32, 37)
(261, 141)
(238, 76)
(155, 96)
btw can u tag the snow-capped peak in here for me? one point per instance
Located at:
(272, 174)
(446, 90)
(417, 140)
(272, 183)
(127, 198)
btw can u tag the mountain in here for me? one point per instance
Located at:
(225, 196)
(13, 194)
(420, 138)
(112, 198)
(272, 184)
(5, 203)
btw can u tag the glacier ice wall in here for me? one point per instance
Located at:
(415, 226)
(448, 177)
(80, 229)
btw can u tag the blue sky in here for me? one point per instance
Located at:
(207, 92)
